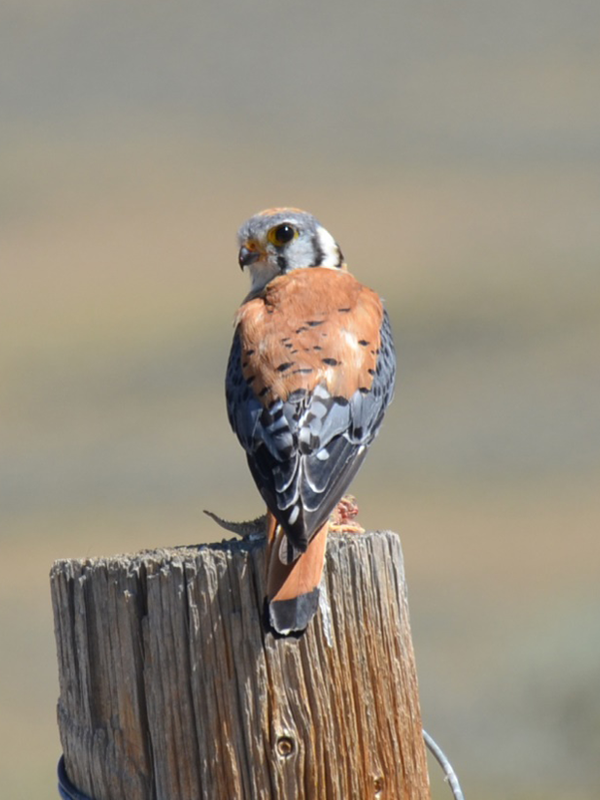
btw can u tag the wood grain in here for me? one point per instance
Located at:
(170, 688)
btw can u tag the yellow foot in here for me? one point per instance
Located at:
(346, 527)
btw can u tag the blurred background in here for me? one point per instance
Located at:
(454, 152)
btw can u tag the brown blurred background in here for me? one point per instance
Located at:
(454, 151)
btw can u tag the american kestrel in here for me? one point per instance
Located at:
(310, 374)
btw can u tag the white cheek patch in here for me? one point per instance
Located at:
(331, 251)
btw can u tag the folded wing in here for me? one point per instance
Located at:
(310, 374)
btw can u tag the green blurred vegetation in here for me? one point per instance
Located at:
(453, 153)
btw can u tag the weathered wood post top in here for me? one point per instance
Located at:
(170, 688)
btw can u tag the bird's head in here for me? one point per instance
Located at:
(279, 240)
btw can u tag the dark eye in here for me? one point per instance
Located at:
(282, 234)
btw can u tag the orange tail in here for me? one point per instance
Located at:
(293, 579)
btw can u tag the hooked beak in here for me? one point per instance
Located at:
(248, 255)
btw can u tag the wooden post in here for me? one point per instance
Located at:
(171, 690)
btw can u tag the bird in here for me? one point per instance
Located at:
(310, 374)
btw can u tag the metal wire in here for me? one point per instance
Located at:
(440, 757)
(67, 791)
(65, 788)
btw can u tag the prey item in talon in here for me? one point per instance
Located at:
(344, 517)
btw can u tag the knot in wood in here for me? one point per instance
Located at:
(286, 745)
(378, 787)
